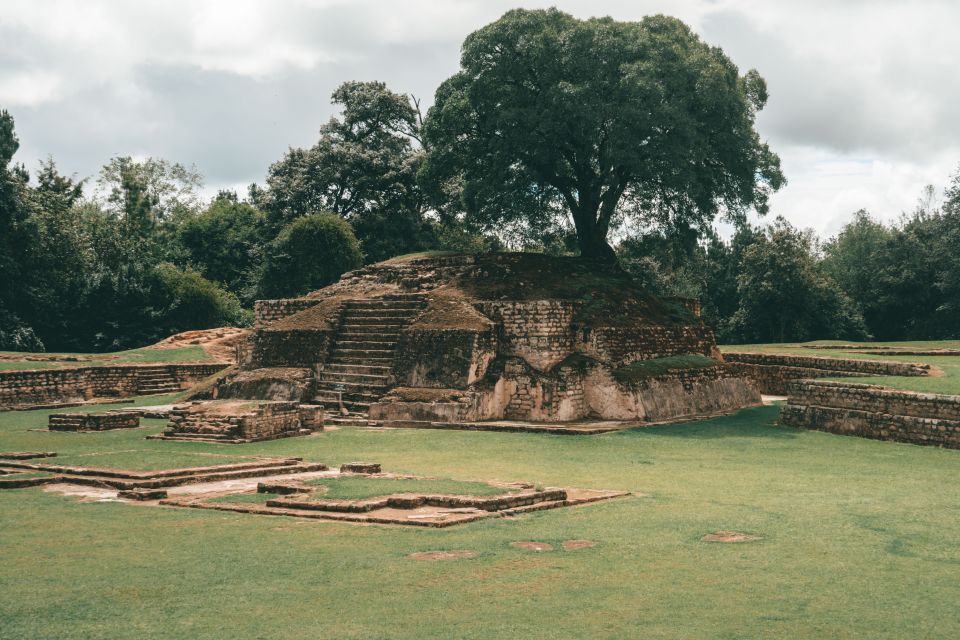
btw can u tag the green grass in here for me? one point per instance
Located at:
(192, 353)
(245, 498)
(948, 382)
(358, 488)
(647, 368)
(860, 540)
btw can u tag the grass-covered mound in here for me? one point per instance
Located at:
(642, 369)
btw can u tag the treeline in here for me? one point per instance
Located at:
(776, 283)
(137, 255)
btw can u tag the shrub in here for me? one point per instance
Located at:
(309, 253)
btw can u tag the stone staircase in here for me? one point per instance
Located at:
(155, 380)
(361, 358)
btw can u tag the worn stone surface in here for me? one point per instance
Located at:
(235, 421)
(773, 373)
(872, 411)
(92, 421)
(516, 351)
(85, 383)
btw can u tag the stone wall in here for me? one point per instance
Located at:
(258, 421)
(620, 346)
(544, 333)
(267, 311)
(75, 384)
(443, 359)
(289, 347)
(872, 411)
(773, 373)
(669, 396)
(92, 421)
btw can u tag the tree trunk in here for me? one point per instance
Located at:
(594, 245)
(591, 236)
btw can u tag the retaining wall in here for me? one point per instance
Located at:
(872, 411)
(75, 384)
(773, 373)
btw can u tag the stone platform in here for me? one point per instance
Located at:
(241, 421)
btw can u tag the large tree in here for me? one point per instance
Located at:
(622, 122)
(363, 168)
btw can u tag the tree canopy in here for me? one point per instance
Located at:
(636, 123)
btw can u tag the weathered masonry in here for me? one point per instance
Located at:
(76, 384)
(241, 421)
(872, 411)
(773, 373)
(502, 336)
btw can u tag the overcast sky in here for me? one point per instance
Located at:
(863, 103)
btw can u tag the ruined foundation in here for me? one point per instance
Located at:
(872, 411)
(241, 421)
(516, 337)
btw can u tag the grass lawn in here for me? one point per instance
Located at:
(860, 539)
(948, 382)
(192, 353)
(359, 488)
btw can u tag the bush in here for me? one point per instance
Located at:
(185, 300)
(309, 253)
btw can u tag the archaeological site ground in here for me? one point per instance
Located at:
(480, 446)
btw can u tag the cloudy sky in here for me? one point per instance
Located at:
(862, 110)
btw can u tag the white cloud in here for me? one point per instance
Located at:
(862, 107)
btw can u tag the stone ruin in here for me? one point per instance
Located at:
(241, 421)
(455, 339)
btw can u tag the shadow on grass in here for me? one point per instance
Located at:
(756, 422)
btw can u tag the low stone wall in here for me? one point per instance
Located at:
(267, 311)
(675, 394)
(75, 384)
(872, 411)
(92, 421)
(257, 421)
(773, 373)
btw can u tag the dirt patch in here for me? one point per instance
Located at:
(729, 536)
(448, 310)
(573, 545)
(219, 343)
(532, 546)
(442, 555)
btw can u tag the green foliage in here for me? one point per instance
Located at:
(635, 123)
(904, 276)
(224, 243)
(784, 295)
(309, 253)
(184, 300)
(363, 168)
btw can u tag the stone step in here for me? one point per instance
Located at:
(351, 361)
(363, 332)
(370, 343)
(339, 376)
(364, 388)
(377, 312)
(379, 321)
(380, 369)
(361, 353)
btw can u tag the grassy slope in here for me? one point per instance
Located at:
(860, 540)
(949, 382)
(134, 356)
